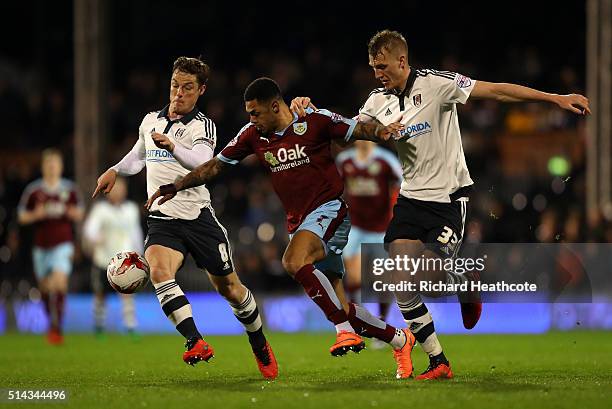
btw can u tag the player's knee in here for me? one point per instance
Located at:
(229, 287)
(353, 278)
(163, 263)
(232, 293)
(292, 265)
(160, 274)
(43, 285)
(58, 282)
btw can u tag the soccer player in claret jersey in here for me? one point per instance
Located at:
(429, 217)
(371, 176)
(52, 205)
(171, 142)
(304, 175)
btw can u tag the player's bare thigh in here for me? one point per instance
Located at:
(56, 281)
(304, 248)
(164, 262)
(43, 284)
(229, 286)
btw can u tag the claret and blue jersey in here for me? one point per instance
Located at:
(304, 174)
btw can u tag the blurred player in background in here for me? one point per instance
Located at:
(171, 142)
(52, 205)
(112, 226)
(304, 175)
(371, 176)
(429, 217)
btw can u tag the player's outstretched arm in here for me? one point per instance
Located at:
(200, 175)
(504, 92)
(131, 164)
(105, 182)
(197, 177)
(377, 132)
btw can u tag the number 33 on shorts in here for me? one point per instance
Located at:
(447, 235)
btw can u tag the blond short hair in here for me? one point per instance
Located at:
(388, 40)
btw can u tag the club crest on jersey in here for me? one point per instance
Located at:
(374, 168)
(300, 128)
(179, 133)
(463, 81)
(417, 100)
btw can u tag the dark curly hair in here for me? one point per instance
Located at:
(262, 89)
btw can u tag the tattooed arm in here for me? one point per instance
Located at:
(200, 175)
(376, 132)
(197, 177)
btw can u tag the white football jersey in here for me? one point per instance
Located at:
(111, 229)
(162, 168)
(431, 152)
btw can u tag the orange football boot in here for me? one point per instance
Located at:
(439, 368)
(55, 337)
(403, 357)
(197, 350)
(347, 341)
(266, 361)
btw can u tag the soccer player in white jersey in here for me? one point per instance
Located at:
(112, 226)
(172, 142)
(429, 217)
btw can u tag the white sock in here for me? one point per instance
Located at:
(420, 323)
(399, 339)
(167, 291)
(344, 326)
(128, 312)
(247, 312)
(99, 312)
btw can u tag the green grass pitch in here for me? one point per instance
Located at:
(556, 370)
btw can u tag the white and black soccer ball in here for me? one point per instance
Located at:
(127, 272)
